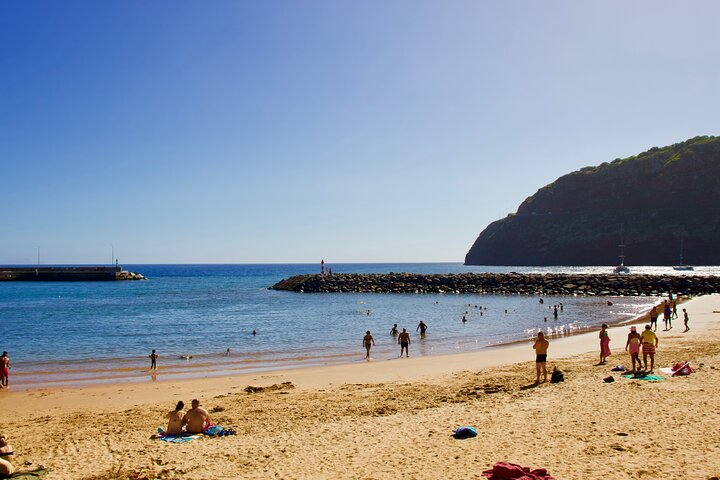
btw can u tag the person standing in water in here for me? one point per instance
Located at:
(394, 330)
(422, 327)
(4, 369)
(368, 342)
(604, 343)
(404, 341)
(153, 360)
(541, 347)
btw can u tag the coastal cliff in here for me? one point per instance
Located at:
(649, 202)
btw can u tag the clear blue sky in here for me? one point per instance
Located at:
(286, 131)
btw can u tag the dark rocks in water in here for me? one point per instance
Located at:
(504, 283)
(651, 200)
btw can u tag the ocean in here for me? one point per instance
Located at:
(69, 334)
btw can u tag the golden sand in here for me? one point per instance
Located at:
(394, 419)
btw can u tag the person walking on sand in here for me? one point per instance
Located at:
(404, 341)
(153, 360)
(541, 347)
(667, 314)
(653, 318)
(604, 343)
(4, 370)
(368, 342)
(674, 309)
(633, 346)
(422, 327)
(686, 319)
(175, 418)
(197, 419)
(649, 343)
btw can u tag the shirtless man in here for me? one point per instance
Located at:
(196, 419)
(175, 418)
(4, 369)
(368, 341)
(422, 327)
(541, 347)
(404, 341)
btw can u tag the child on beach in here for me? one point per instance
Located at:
(633, 345)
(153, 360)
(604, 344)
(541, 347)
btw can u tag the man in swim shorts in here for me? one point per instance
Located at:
(541, 347)
(368, 342)
(686, 319)
(649, 343)
(196, 419)
(4, 369)
(404, 341)
(653, 318)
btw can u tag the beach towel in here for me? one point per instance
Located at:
(464, 432)
(512, 471)
(642, 376)
(178, 438)
(678, 370)
(39, 473)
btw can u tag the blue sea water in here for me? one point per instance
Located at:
(62, 333)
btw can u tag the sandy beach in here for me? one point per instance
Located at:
(389, 419)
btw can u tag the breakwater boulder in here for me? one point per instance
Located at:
(504, 283)
(125, 275)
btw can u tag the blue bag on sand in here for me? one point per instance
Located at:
(464, 432)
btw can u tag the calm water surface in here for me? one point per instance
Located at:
(91, 332)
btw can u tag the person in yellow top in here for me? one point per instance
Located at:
(649, 343)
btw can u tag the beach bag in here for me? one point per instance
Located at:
(464, 432)
(557, 376)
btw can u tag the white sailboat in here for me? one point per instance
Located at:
(621, 268)
(682, 266)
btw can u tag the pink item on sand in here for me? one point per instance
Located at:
(511, 471)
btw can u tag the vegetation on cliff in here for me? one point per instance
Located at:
(649, 201)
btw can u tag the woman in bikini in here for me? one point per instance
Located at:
(633, 346)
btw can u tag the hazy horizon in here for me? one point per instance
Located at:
(283, 132)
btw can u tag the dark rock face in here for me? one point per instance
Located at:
(651, 201)
(504, 283)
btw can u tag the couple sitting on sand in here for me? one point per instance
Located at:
(195, 420)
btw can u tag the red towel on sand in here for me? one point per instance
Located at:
(511, 471)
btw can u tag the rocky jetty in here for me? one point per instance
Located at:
(649, 202)
(125, 275)
(504, 283)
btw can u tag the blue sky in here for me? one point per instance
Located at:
(283, 131)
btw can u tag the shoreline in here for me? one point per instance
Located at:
(130, 372)
(313, 377)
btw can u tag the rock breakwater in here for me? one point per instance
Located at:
(504, 283)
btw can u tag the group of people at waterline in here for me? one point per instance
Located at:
(645, 342)
(403, 339)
